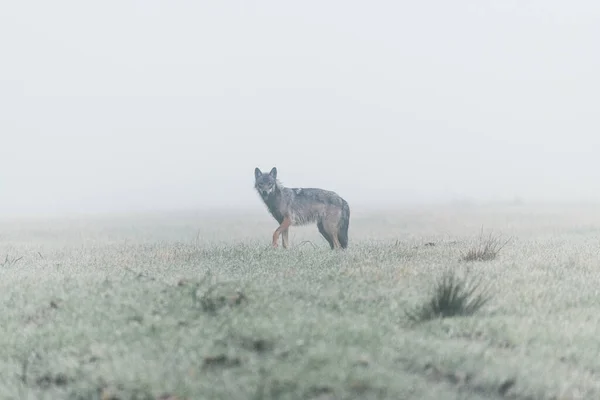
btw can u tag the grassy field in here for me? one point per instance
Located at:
(200, 307)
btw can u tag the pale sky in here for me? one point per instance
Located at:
(121, 105)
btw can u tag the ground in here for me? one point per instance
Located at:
(187, 305)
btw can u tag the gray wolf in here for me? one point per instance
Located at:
(302, 206)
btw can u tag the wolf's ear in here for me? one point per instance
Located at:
(273, 173)
(257, 173)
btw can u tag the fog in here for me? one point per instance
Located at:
(149, 105)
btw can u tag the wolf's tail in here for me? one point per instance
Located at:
(344, 224)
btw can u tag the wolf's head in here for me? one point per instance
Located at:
(265, 184)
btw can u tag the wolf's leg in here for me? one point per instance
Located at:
(284, 238)
(324, 233)
(330, 228)
(285, 224)
(336, 241)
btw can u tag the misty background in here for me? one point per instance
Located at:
(143, 105)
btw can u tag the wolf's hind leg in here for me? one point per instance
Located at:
(325, 234)
(336, 241)
(330, 227)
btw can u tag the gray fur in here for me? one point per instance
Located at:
(304, 206)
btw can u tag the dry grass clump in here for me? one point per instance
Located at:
(452, 296)
(486, 248)
(9, 262)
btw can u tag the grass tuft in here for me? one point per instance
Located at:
(9, 262)
(452, 296)
(486, 248)
(215, 296)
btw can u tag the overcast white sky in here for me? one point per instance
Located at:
(119, 104)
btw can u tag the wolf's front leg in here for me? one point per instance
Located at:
(285, 224)
(284, 238)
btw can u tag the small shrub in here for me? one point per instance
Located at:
(452, 296)
(486, 249)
